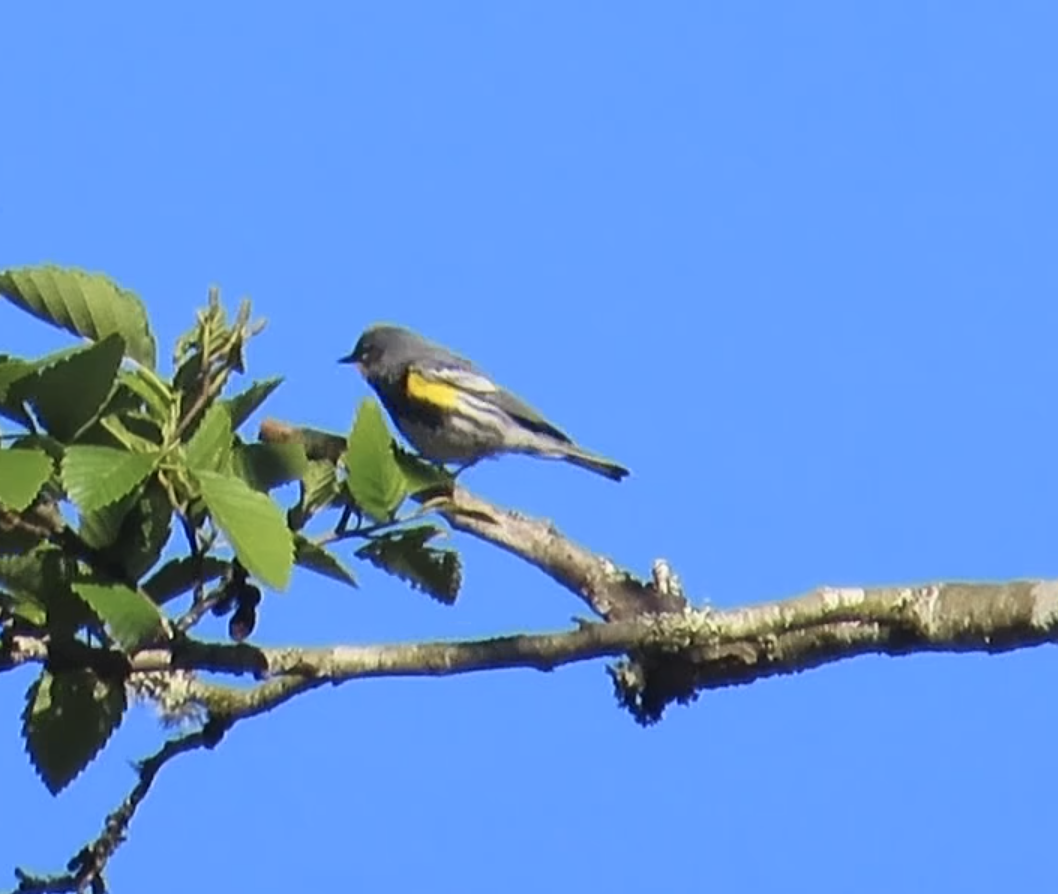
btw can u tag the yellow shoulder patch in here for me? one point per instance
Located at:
(430, 391)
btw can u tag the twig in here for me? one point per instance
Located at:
(201, 602)
(362, 532)
(86, 868)
(213, 386)
(200, 607)
(611, 592)
(193, 615)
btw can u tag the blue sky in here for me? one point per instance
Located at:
(793, 264)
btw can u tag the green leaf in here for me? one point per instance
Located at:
(69, 389)
(320, 483)
(48, 444)
(122, 399)
(95, 477)
(374, 479)
(404, 553)
(32, 573)
(125, 424)
(179, 575)
(243, 405)
(132, 619)
(156, 395)
(420, 475)
(187, 380)
(144, 532)
(30, 610)
(315, 558)
(43, 578)
(102, 527)
(133, 430)
(68, 718)
(264, 466)
(87, 304)
(12, 371)
(209, 448)
(22, 475)
(319, 486)
(254, 526)
(130, 532)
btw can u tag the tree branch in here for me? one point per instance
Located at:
(612, 593)
(684, 652)
(85, 870)
(680, 654)
(667, 650)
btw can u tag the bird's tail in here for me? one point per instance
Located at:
(593, 463)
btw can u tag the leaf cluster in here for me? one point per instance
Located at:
(123, 489)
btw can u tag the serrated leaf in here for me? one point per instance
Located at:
(30, 610)
(254, 526)
(264, 466)
(156, 395)
(315, 558)
(133, 431)
(179, 575)
(319, 487)
(132, 619)
(31, 573)
(88, 304)
(95, 477)
(42, 576)
(186, 380)
(242, 405)
(145, 530)
(13, 370)
(102, 527)
(420, 475)
(48, 444)
(122, 399)
(405, 553)
(373, 477)
(124, 422)
(96, 435)
(68, 718)
(131, 532)
(22, 475)
(69, 389)
(209, 448)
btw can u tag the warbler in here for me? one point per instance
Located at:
(451, 412)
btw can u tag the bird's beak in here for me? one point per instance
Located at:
(355, 361)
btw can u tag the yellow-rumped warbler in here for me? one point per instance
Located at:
(450, 411)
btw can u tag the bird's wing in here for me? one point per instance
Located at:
(445, 385)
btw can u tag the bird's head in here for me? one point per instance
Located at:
(381, 349)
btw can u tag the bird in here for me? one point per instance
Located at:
(452, 412)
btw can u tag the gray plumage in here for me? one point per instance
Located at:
(450, 411)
